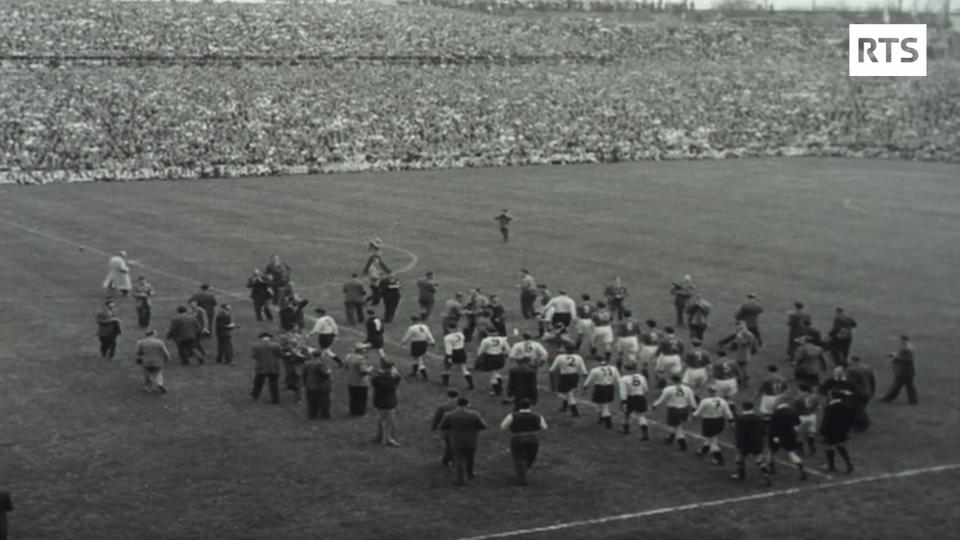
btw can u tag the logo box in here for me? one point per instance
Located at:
(888, 50)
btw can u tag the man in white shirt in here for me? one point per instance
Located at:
(679, 400)
(562, 309)
(603, 378)
(492, 357)
(532, 350)
(633, 399)
(714, 412)
(118, 275)
(569, 367)
(326, 330)
(455, 354)
(420, 338)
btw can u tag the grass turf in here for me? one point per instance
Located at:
(88, 455)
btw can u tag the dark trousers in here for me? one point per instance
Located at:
(697, 331)
(527, 299)
(358, 400)
(318, 403)
(185, 350)
(354, 312)
(463, 463)
(840, 351)
(143, 314)
(679, 308)
(391, 299)
(225, 349)
(524, 449)
(616, 307)
(861, 420)
(447, 451)
(426, 307)
(108, 346)
(901, 381)
(272, 380)
(755, 330)
(261, 308)
(505, 234)
(791, 344)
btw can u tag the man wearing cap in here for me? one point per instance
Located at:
(354, 296)
(528, 294)
(317, 385)
(841, 337)
(358, 379)
(224, 326)
(118, 275)
(141, 292)
(261, 294)
(504, 218)
(266, 355)
(152, 355)
(523, 425)
(698, 310)
(375, 332)
(184, 331)
(384, 384)
(390, 292)
(463, 427)
(420, 338)
(682, 292)
(427, 292)
(904, 372)
(205, 300)
(749, 313)
(438, 415)
(326, 330)
(108, 329)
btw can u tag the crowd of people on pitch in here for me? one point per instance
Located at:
(586, 347)
(187, 122)
(103, 28)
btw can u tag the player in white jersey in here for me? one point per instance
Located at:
(583, 326)
(530, 349)
(628, 343)
(492, 357)
(679, 400)
(325, 328)
(569, 367)
(649, 343)
(714, 411)
(602, 331)
(633, 400)
(455, 354)
(604, 379)
(562, 309)
(420, 338)
(771, 389)
(669, 362)
(697, 361)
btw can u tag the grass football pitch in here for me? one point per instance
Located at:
(87, 454)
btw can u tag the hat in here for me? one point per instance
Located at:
(904, 337)
(751, 295)
(319, 310)
(462, 402)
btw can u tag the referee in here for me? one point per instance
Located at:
(523, 426)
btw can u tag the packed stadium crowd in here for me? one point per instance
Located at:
(213, 107)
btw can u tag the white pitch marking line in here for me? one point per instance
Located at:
(713, 503)
(848, 204)
(409, 266)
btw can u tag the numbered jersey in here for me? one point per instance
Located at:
(713, 407)
(494, 345)
(602, 376)
(569, 364)
(677, 396)
(627, 328)
(670, 346)
(634, 384)
(602, 317)
(773, 385)
(529, 349)
(728, 369)
(453, 342)
(650, 337)
(584, 311)
(697, 359)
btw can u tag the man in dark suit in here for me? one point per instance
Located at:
(205, 300)
(6, 505)
(384, 385)
(441, 411)
(522, 383)
(904, 372)
(750, 435)
(224, 327)
(749, 313)
(266, 355)
(354, 296)
(390, 292)
(317, 386)
(523, 426)
(463, 427)
(184, 331)
(841, 337)
(108, 329)
(260, 293)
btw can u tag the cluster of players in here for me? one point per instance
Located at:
(641, 366)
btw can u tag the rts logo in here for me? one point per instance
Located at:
(888, 50)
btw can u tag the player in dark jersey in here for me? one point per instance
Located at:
(583, 328)
(838, 420)
(783, 426)
(751, 431)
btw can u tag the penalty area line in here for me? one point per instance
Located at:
(712, 503)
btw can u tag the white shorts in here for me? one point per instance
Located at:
(628, 346)
(727, 388)
(695, 377)
(584, 328)
(808, 425)
(768, 404)
(648, 353)
(603, 334)
(669, 365)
